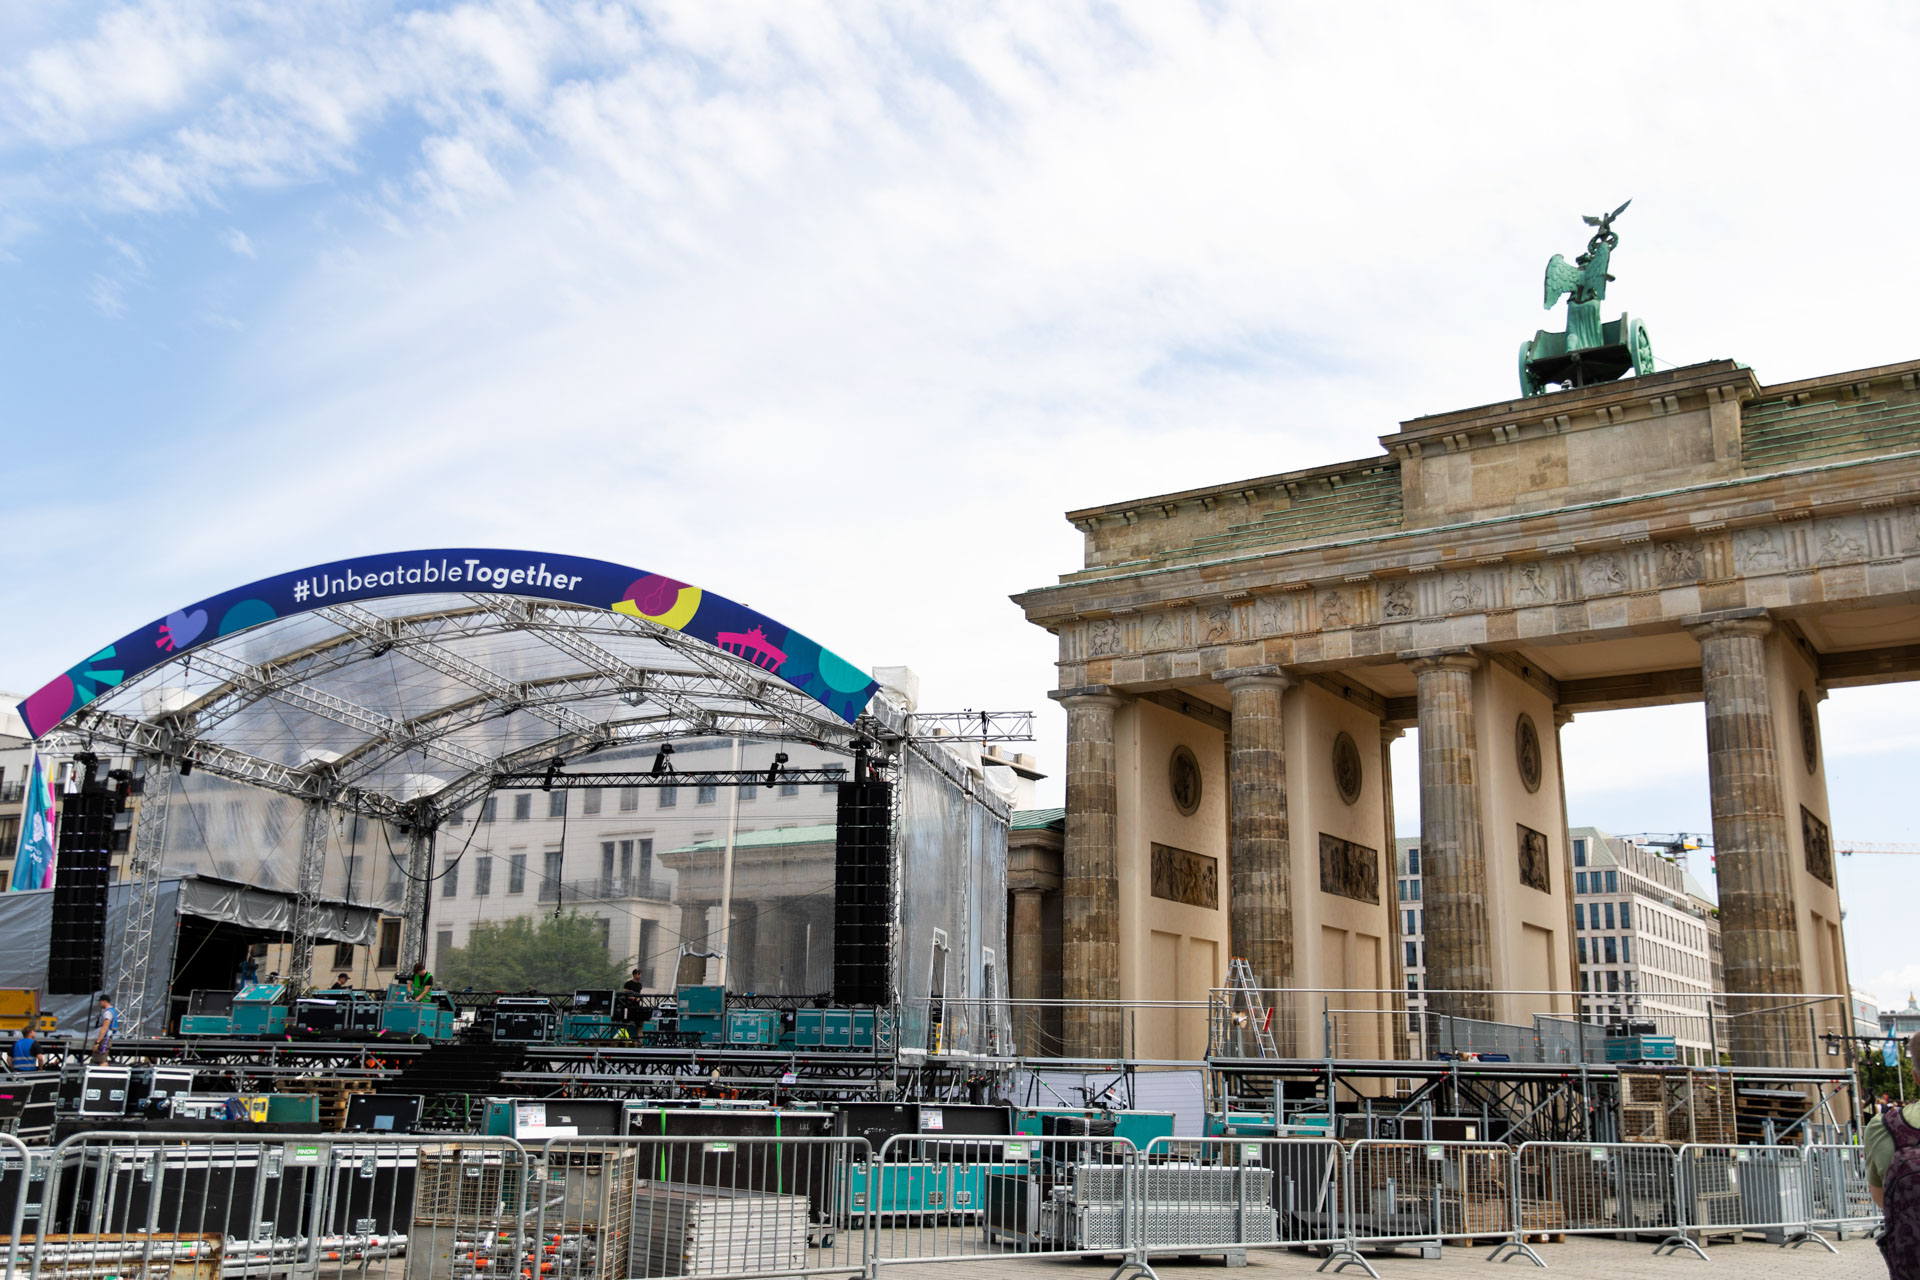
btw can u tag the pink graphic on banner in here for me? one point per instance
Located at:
(753, 647)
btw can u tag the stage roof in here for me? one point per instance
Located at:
(397, 685)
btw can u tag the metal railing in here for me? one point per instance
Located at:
(606, 889)
(208, 1206)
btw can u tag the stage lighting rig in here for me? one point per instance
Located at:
(554, 766)
(773, 770)
(661, 761)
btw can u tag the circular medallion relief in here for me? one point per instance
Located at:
(1526, 747)
(1346, 767)
(1183, 778)
(1809, 735)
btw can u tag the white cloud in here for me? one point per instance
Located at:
(239, 242)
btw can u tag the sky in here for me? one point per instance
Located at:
(835, 308)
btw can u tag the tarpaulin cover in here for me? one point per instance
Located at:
(26, 924)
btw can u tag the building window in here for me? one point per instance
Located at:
(829, 788)
(517, 873)
(389, 944)
(556, 804)
(706, 795)
(626, 859)
(1579, 915)
(1408, 928)
(1413, 984)
(442, 944)
(1416, 889)
(1579, 853)
(343, 955)
(1403, 891)
(450, 882)
(1583, 978)
(1607, 912)
(749, 793)
(606, 931)
(356, 879)
(590, 801)
(1612, 950)
(1413, 861)
(646, 859)
(482, 877)
(1613, 980)
(1613, 882)
(1626, 951)
(669, 797)
(523, 806)
(1581, 943)
(629, 799)
(552, 869)
(1626, 915)
(789, 789)
(1580, 881)
(458, 818)
(1413, 955)
(489, 808)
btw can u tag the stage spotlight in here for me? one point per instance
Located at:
(554, 766)
(660, 762)
(773, 770)
(186, 765)
(633, 697)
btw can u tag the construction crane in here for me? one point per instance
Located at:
(1848, 848)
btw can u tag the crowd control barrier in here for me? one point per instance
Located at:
(1837, 1191)
(221, 1206)
(1737, 1190)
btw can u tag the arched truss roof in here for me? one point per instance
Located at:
(398, 685)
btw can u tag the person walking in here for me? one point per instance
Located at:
(104, 1030)
(1892, 1145)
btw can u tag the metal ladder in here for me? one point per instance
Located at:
(1243, 997)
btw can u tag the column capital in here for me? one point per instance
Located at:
(1562, 717)
(1453, 658)
(1389, 734)
(1265, 676)
(1728, 622)
(1086, 695)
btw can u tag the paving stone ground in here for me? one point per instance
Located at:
(1580, 1258)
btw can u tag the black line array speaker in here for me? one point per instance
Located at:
(863, 889)
(82, 863)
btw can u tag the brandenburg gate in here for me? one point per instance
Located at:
(1234, 661)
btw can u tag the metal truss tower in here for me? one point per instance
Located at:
(306, 902)
(133, 967)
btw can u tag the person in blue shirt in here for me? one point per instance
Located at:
(26, 1052)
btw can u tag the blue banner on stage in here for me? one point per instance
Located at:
(830, 680)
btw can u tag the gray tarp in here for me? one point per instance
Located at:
(26, 929)
(230, 902)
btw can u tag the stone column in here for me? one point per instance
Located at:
(1753, 853)
(1023, 938)
(1090, 892)
(1259, 853)
(1561, 719)
(1453, 861)
(1396, 1043)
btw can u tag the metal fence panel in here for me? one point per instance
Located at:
(1837, 1193)
(658, 1206)
(1738, 1190)
(1227, 1195)
(927, 1198)
(1593, 1187)
(16, 1173)
(207, 1206)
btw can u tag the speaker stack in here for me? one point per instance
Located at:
(863, 889)
(82, 866)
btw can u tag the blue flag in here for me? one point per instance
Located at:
(33, 866)
(1890, 1053)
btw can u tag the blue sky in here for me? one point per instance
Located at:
(836, 308)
